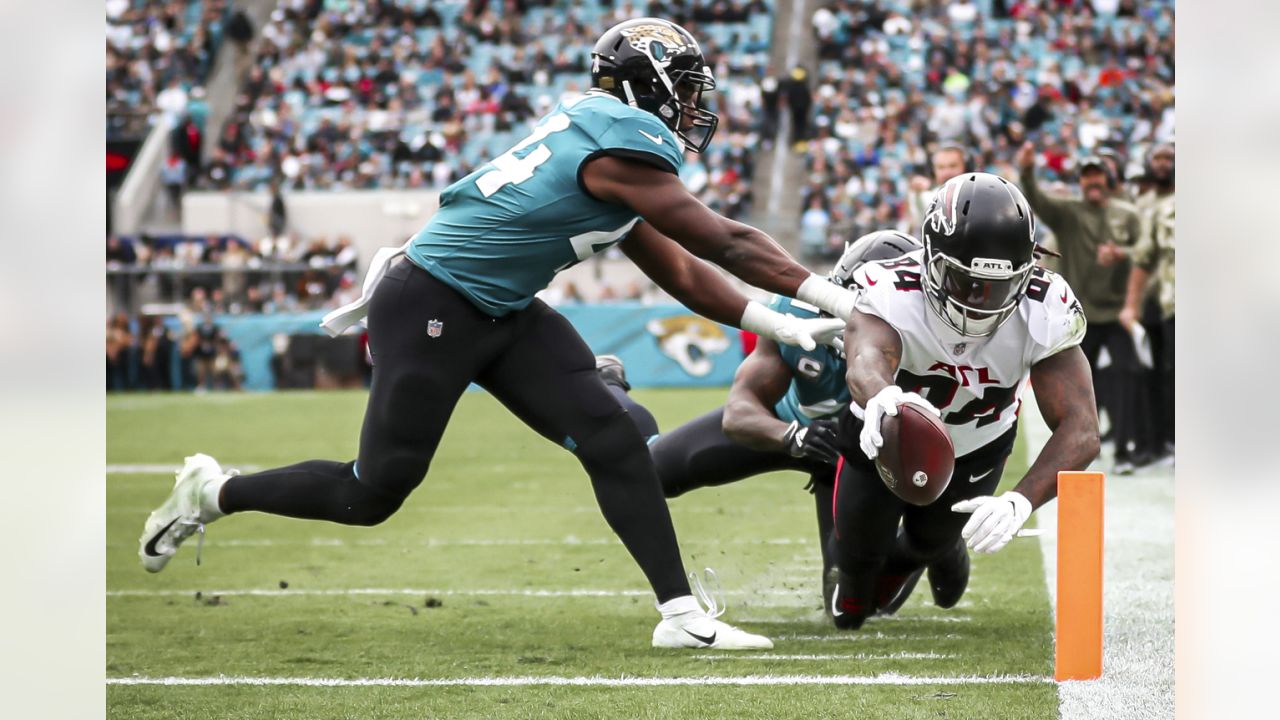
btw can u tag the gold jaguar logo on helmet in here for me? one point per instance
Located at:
(659, 41)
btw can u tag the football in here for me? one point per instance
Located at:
(917, 458)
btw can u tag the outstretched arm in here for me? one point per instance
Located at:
(1064, 394)
(874, 350)
(691, 281)
(749, 254)
(702, 289)
(663, 201)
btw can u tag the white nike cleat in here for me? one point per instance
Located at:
(699, 630)
(180, 516)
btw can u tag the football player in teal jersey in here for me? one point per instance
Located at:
(459, 307)
(780, 414)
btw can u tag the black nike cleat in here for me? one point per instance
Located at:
(830, 578)
(612, 372)
(949, 576)
(846, 613)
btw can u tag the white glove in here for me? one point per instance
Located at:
(885, 402)
(789, 329)
(828, 296)
(994, 521)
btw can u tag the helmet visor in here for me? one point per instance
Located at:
(978, 293)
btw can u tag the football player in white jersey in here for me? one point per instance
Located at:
(956, 328)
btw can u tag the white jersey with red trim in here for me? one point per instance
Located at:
(977, 382)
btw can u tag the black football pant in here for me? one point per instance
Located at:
(872, 552)
(698, 454)
(1120, 388)
(428, 344)
(1160, 379)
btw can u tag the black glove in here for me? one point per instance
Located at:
(815, 442)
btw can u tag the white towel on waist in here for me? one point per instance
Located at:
(337, 321)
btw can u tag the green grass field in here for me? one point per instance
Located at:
(501, 567)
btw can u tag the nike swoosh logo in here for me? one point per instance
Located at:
(150, 547)
(871, 282)
(708, 640)
(1064, 296)
(976, 478)
(655, 138)
(835, 605)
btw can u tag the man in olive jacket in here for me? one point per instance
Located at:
(1096, 235)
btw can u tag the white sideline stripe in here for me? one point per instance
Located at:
(592, 681)
(846, 656)
(517, 592)
(854, 637)
(1138, 647)
(449, 542)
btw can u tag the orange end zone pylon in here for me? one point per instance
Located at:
(1079, 623)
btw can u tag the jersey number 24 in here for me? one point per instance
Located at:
(508, 169)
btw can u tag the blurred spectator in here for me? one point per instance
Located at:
(157, 351)
(799, 97)
(121, 353)
(199, 350)
(277, 215)
(186, 141)
(948, 162)
(813, 225)
(227, 374)
(240, 30)
(173, 175)
(1154, 258)
(1096, 235)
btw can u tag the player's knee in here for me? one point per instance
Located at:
(369, 508)
(615, 445)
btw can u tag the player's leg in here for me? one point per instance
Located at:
(698, 454)
(822, 485)
(931, 534)
(866, 529)
(417, 381)
(1124, 391)
(1091, 346)
(547, 377)
(615, 378)
(1166, 368)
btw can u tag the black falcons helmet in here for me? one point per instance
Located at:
(979, 251)
(878, 245)
(657, 66)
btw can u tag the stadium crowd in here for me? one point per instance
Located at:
(416, 94)
(158, 55)
(897, 81)
(227, 274)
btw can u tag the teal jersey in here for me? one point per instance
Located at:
(818, 386)
(505, 230)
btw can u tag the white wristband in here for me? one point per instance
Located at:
(826, 295)
(760, 320)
